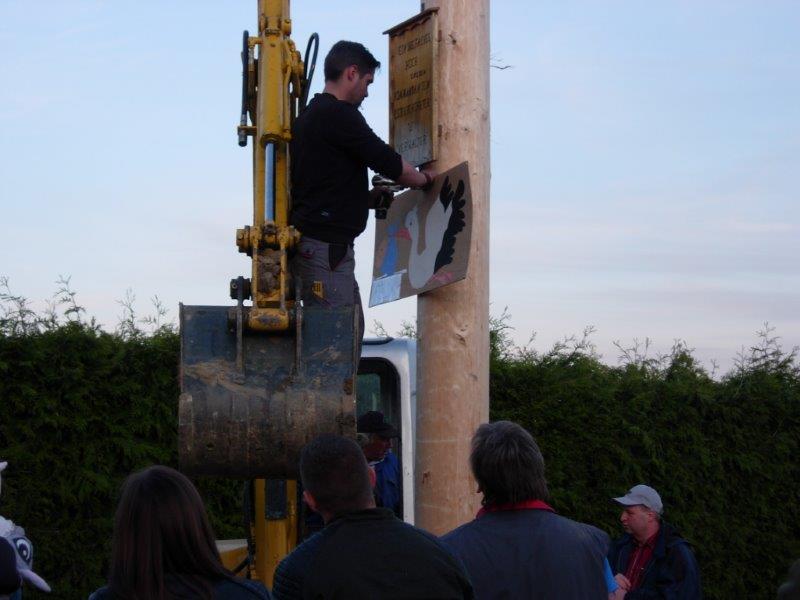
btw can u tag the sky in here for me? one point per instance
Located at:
(645, 161)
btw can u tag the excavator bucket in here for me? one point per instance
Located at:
(248, 406)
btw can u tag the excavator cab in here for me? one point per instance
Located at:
(387, 383)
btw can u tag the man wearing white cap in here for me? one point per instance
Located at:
(651, 560)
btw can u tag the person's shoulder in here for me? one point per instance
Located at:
(594, 532)
(309, 546)
(290, 574)
(241, 589)
(426, 539)
(461, 540)
(577, 526)
(323, 109)
(297, 562)
(100, 594)
(325, 105)
(520, 520)
(390, 522)
(582, 534)
(389, 465)
(456, 535)
(674, 543)
(673, 537)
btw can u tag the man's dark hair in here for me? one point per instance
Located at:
(507, 464)
(334, 471)
(343, 54)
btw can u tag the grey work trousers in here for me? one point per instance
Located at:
(330, 268)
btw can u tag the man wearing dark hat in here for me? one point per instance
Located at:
(375, 437)
(651, 560)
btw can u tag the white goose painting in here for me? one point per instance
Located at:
(445, 219)
(424, 240)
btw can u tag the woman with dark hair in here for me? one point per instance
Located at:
(164, 547)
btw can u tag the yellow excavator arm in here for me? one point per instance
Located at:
(260, 380)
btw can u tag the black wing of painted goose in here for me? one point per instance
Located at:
(456, 223)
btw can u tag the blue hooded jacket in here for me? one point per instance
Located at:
(387, 485)
(672, 572)
(531, 554)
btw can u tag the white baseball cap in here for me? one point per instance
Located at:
(641, 495)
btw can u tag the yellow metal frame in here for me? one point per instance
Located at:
(274, 538)
(279, 81)
(277, 88)
(279, 65)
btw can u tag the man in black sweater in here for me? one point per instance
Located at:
(331, 149)
(363, 552)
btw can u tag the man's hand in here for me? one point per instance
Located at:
(618, 594)
(429, 175)
(623, 582)
(421, 179)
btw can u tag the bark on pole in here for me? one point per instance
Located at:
(453, 321)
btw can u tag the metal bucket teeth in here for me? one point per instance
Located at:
(253, 421)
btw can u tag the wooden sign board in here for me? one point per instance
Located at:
(423, 243)
(412, 87)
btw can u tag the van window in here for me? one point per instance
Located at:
(378, 388)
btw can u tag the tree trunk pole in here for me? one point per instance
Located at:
(453, 321)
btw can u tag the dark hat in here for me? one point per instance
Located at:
(372, 422)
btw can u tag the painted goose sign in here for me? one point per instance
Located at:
(423, 243)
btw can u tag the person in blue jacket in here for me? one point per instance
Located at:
(652, 560)
(375, 436)
(517, 546)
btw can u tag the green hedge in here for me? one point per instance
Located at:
(80, 409)
(722, 454)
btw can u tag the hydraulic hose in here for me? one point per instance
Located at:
(308, 68)
(243, 119)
